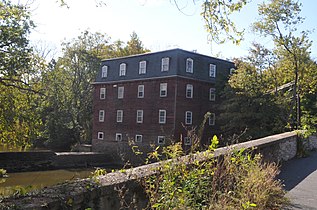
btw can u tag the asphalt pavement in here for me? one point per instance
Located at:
(299, 177)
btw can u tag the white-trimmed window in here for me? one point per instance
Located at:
(163, 89)
(212, 119)
(138, 138)
(189, 91)
(102, 93)
(165, 64)
(212, 70)
(142, 67)
(100, 135)
(189, 65)
(187, 141)
(104, 71)
(101, 115)
(140, 91)
(122, 69)
(120, 92)
(212, 94)
(232, 70)
(118, 136)
(162, 116)
(188, 118)
(119, 115)
(161, 140)
(139, 116)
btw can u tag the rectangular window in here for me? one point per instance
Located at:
(188, 118)
(102, 93)
(122, 69)
(142, 67)
(101, 115)
(100, 135)
(119, 115)
(163, 89)
(139, 116)
(120, 92)
(189, 65)
(189, 91)
(232, 70)
(165, 64)
(118, 136)
(212, 94)
(212, 119)
(162, 116)
(104, 71)
(140, 91)
(161, 140)
(212, 70)
(138, 138)
(187, 141)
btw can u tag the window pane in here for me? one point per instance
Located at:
(139, 116)
(212, 119)
(165, 64)
(101, 115)
(212, 94)
(102, 93)
(140, 91)
(122, 70)
(120, 92)
(189, 91)
(142, 67)
(212, 70)
(162, 116)
(104, 71)
(163, 89)
(119, 115)
(188, 118)
(189, 65)
(138, 138)
(161, 140)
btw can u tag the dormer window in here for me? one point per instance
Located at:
(189, 65)
(212, 70)
(104, 71)
(122, 70)
(165, 64)
(142, 67)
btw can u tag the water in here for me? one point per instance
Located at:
(27, 181)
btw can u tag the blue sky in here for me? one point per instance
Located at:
(158, 23)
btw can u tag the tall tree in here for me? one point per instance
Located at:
(15, 52)
(279, 20)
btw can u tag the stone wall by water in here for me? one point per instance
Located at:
(122, 189)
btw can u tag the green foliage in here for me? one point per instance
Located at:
(236, 181)
(218, 23)
(3, 173)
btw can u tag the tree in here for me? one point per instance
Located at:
(279, 19)
(15, 52)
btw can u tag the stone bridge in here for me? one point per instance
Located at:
(84, 194)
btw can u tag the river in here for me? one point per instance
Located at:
(27, 181)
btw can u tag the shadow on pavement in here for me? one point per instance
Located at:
(296, 170)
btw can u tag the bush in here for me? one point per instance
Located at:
(234, 181)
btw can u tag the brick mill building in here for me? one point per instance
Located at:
(152, 98)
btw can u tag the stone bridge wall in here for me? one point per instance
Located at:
(84, 194)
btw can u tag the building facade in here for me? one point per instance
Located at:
(154, 98)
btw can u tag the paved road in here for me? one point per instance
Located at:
(300, 180)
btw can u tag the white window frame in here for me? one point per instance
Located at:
(232, 70)
(189, 65)
(119, 116)
(104, 71)
(102, 93)
(142, 67)
(165, 64)
(120, 92)
(212, 70)
(138, 138)
(212, 94)
(140, 91)
(187, 141)
(100, 135)
(190, 90)
(101, 115)
(161, 140)
(162, 116)
(163, 89)
(122, 69)
(139, 116)
(118, 136)
(212, 119)
(188, 118)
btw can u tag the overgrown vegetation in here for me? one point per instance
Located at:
(237, 180)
